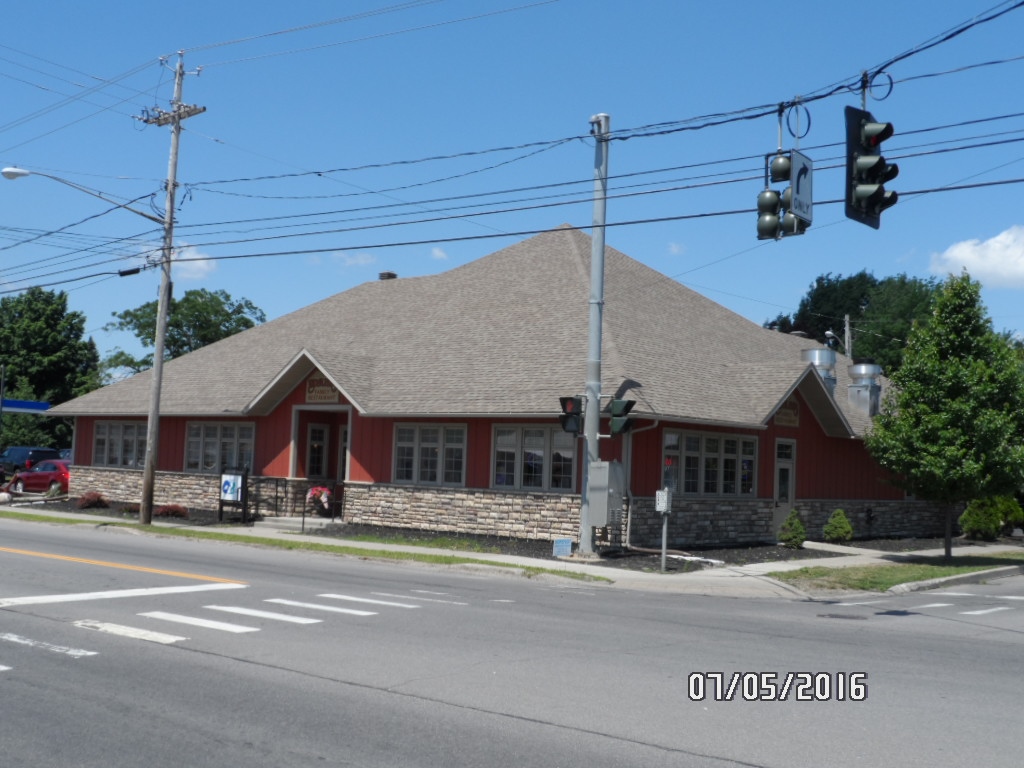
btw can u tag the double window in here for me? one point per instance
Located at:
(534, 459)
(211, 445)
(430, 454)
(709, 464)
(119, 444)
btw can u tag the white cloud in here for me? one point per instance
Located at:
(676, 249)
(196, 266)
(438, 253)
(356, 259)
(997, 262)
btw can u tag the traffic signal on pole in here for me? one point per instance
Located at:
(620, 415)
(775, 217)
(866, 170)
(572, 414)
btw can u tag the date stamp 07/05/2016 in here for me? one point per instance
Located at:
(778, 686)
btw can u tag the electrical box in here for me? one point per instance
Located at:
(607, 486)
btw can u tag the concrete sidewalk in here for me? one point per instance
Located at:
(726, 581)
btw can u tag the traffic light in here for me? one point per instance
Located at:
(572, 414)
(866, 170)
(775, 217)
(620, 415)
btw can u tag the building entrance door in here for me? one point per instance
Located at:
(785, 481)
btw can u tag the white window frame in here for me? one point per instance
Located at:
(112, 433)
(430, 460)
(702, 464)
(212, 445)
(515, 480)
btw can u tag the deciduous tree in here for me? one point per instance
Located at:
(46, 358)
(951, 428)
(198, 318)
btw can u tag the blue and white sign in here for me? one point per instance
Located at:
(801, 180)
(230, 487)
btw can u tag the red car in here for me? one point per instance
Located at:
(47, 476)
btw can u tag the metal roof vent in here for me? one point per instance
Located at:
(824, 360)
(864, 392)
(388, 275)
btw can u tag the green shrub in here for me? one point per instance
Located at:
(987, 518)
(792, 534)
(838, 528)
(91, 500)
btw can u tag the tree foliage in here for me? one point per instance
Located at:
(200, 317)
(881, 313)
(46, 359)
(951, 429)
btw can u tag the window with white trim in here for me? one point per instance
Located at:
(709, 464)
(211, 445)
(119, 444)
(430, 454)
(316, 450)
(534, 459)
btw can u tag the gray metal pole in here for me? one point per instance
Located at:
(600, 125)
(163, 307)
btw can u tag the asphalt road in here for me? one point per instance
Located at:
(120, 649)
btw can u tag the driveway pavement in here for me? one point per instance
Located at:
(725, 581)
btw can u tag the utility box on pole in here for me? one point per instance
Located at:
(607, 492)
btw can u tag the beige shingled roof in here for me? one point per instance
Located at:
(503, 335)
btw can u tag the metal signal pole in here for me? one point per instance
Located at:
(600, 127)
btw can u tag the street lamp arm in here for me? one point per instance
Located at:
(18, 173)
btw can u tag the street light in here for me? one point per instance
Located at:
(162, 308)
(13, 173)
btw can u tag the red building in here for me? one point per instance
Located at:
(433, 402)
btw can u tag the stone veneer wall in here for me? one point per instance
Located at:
(543, 516)
(714, 522)
(269, 496)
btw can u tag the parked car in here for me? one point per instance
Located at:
(18, 457)
(48, 476)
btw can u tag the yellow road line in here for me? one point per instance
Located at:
(124, 566)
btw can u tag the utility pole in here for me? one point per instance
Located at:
(600, 127)
(172, 118)
(847, 337)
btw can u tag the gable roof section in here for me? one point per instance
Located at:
(503, 335)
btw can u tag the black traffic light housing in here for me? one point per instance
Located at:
(866, 170)
(619, 410)
(775, 218)
(572, 414)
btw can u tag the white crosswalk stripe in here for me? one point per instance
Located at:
(319, 607)
(368, 600)
(421, 599)
(986, 610)
(263, 614)
(4, 669)
(132, 632)
(195, 621)
(26, 641)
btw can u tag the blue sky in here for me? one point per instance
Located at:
(373, 135)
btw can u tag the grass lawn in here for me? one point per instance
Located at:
(879, 578)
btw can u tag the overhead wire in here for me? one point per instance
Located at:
(690, 124)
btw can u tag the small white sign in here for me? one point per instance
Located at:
(663, 501)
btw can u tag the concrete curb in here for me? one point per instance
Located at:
(976, 577)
